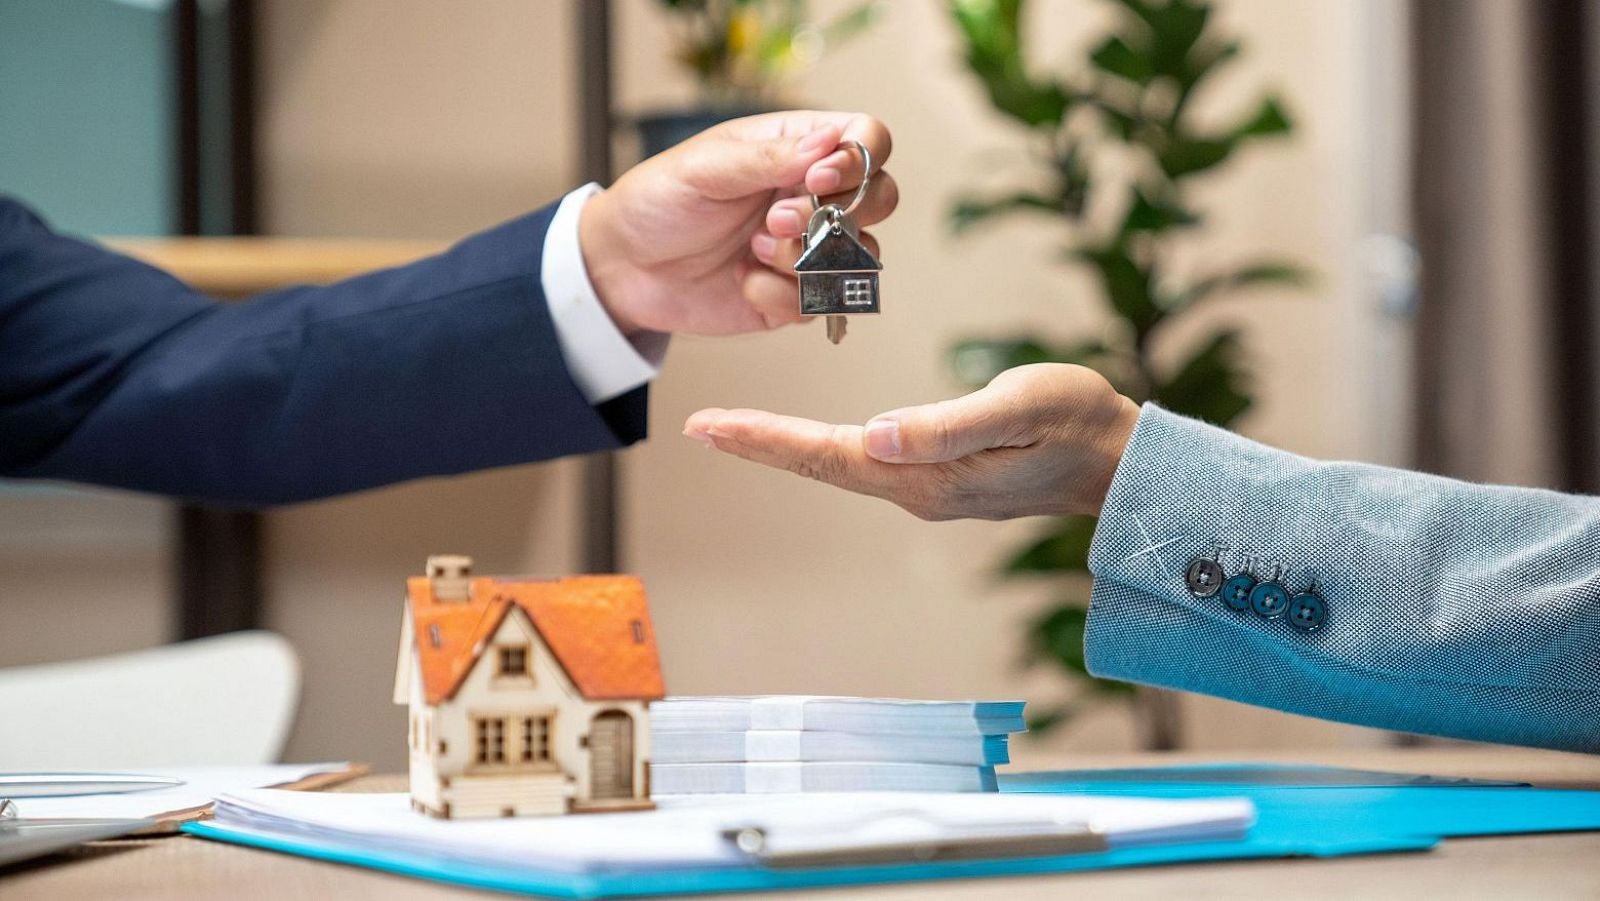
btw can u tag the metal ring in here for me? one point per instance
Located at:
(861, 191)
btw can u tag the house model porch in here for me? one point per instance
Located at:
(526, 696)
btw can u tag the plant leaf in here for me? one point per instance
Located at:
(976, 362)
(992, 32)
(1128, 285)
(970, 211)
(1210, 385)
(1046, 720)
(1065, 549)
(1187, 155)
(1207, 57)
(1116, 57)
(1057, 636)
(1269, 119)
(1154, 215)
(1266, 272)
(1175, 28)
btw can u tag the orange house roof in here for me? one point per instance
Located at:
(598, 627)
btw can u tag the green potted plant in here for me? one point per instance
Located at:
(1116, 151)
(742, 53)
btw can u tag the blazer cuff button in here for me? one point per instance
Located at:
(1308, 611)
(1236, 591)
(1269, 600)
(1204, 577)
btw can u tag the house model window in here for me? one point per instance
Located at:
(535, 739)
(490, 733)
(513, 661)
(857, 292)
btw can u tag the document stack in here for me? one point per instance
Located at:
(786, 743)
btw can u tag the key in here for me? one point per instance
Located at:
(836, 271)
(838, 275)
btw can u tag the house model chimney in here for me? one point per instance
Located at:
(449, 574)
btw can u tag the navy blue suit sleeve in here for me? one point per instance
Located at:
(114, 373)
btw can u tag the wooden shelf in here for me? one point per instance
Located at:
(234, 267)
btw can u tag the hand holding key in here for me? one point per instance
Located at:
(703, 238)
(1039, 440)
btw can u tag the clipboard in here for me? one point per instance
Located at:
(26, 839)
(1053, 841)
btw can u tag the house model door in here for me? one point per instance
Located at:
(611, 756)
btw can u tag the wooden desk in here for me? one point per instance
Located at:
(1547, 866)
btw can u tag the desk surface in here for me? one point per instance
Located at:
(1563, 865)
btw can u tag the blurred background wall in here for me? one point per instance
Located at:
(409, 118)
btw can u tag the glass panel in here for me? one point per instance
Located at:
(87, 98)
(86, 93)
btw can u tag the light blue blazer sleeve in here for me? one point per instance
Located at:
(1453, 609)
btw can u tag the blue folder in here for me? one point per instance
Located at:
(1302, 812)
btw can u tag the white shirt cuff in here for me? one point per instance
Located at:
(601, 360)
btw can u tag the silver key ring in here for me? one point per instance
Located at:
(861, 191)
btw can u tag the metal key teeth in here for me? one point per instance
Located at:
(836, 325)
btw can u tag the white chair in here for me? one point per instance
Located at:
(224, 700)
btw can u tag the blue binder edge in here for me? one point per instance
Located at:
(1445, 811)
(707, 880)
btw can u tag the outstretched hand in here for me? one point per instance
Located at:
(702, 238)
(1038, 440)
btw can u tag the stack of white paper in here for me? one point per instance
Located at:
(695, 832)
(785, 743)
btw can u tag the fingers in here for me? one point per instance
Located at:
(827, 453)
(772, 295)
(723, 167)
(1011, 411)
(841, 170)
(837, 169)
(788, 218)
(847, 160)
(946, 430)
(793, 123)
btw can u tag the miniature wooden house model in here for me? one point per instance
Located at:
(837, 274)
(526, 696)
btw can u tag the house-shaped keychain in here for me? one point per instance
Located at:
(838, 275)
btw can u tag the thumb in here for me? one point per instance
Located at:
(730, 168)
(940, 432)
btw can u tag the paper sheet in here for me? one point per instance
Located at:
(201, 785)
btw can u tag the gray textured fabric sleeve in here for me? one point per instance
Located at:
(1452, 609)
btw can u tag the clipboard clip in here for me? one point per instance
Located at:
(1050, 840)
